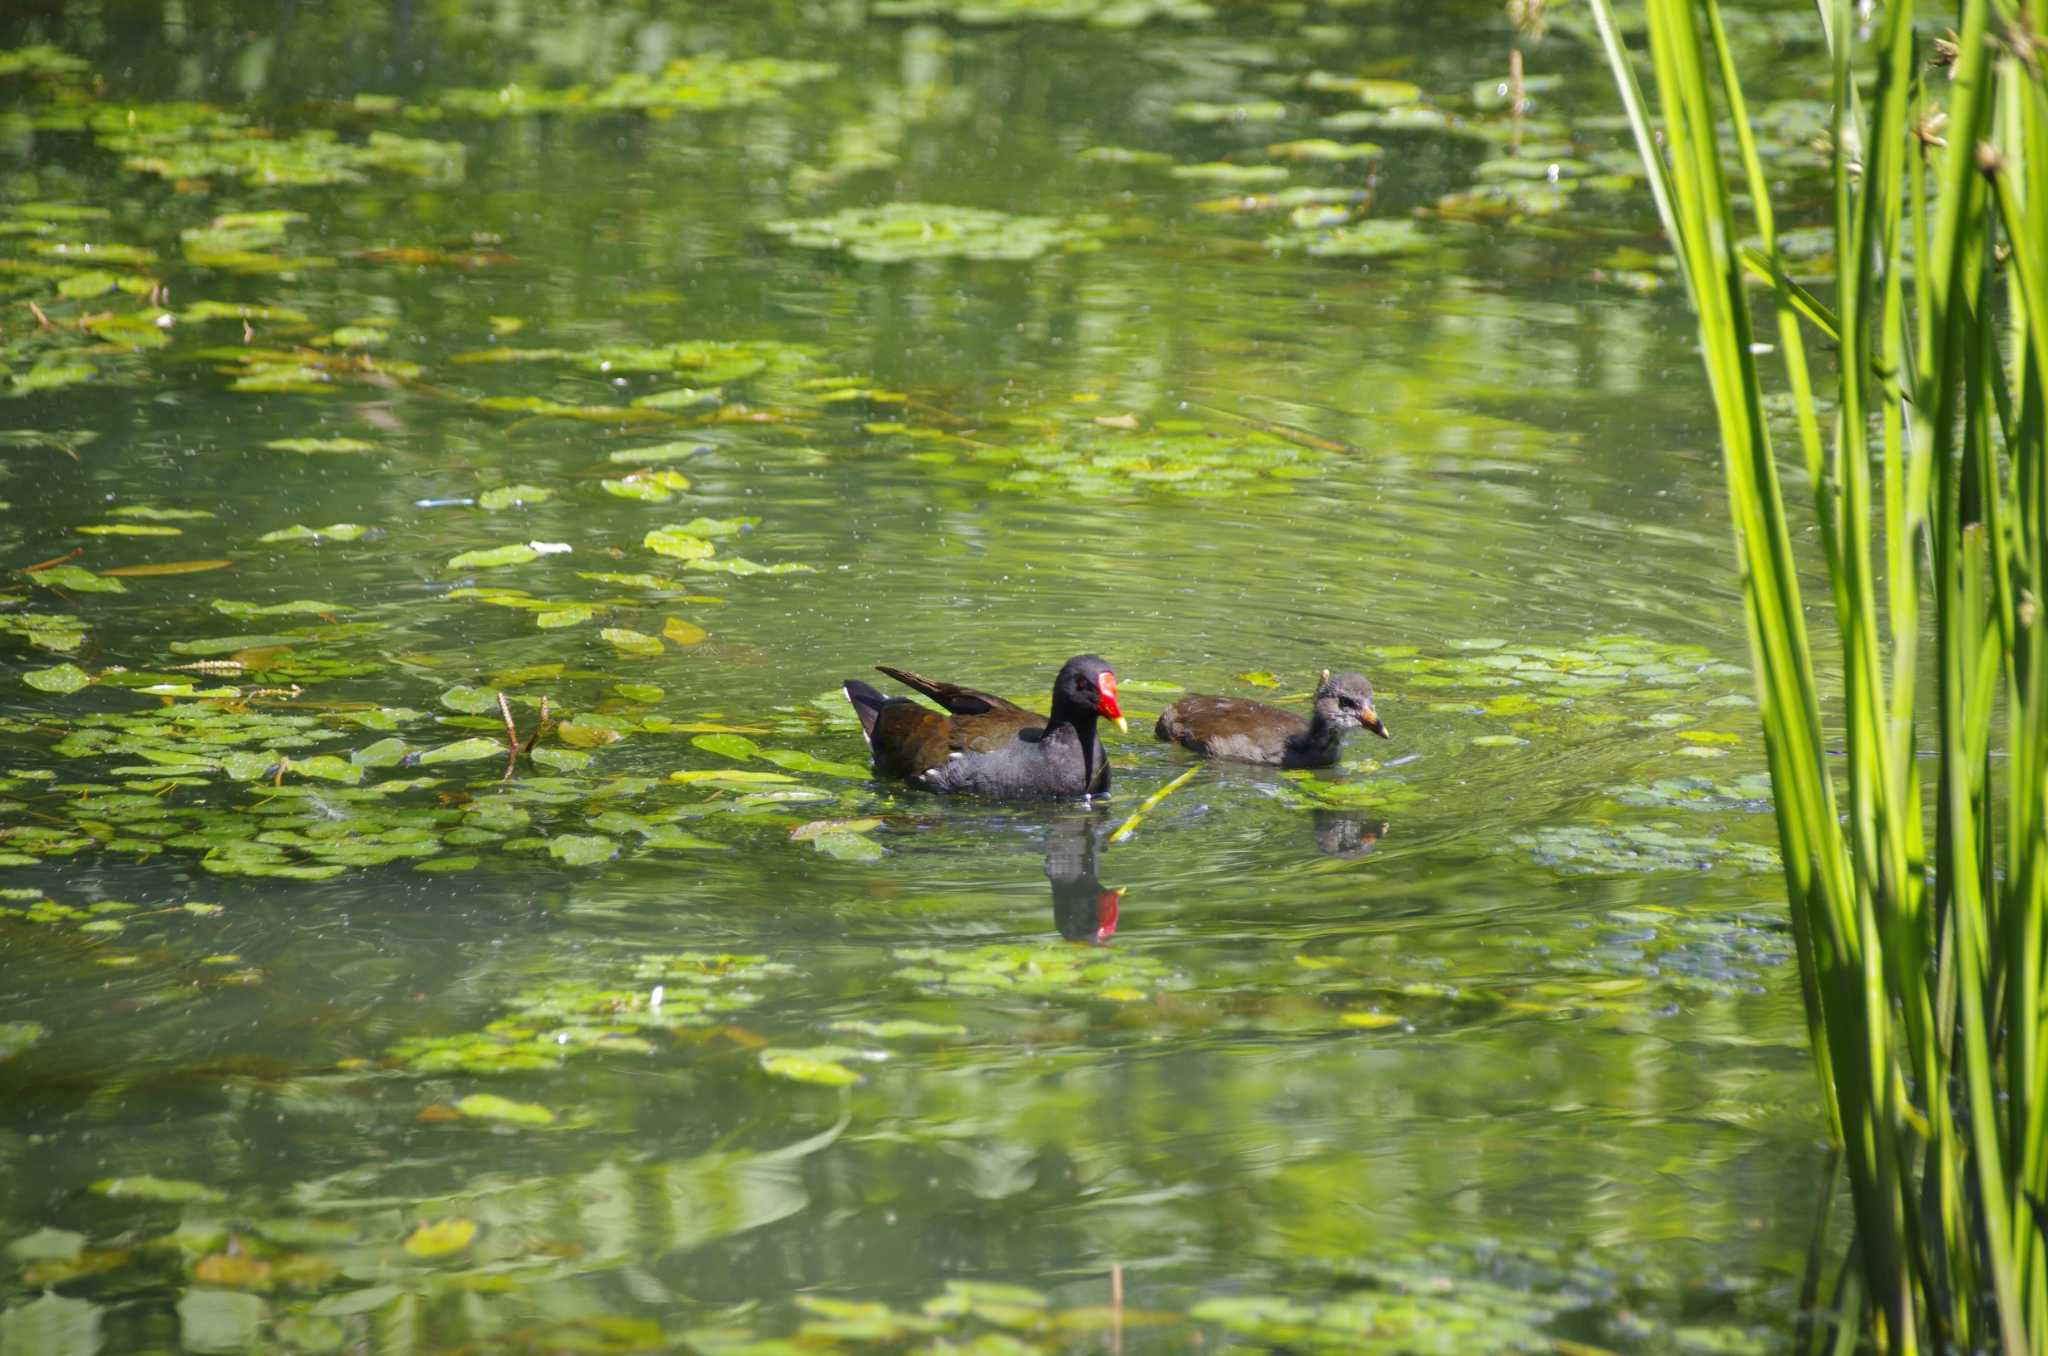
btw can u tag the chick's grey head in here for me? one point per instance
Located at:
(1346, 699)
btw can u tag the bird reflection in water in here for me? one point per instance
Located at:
(1342, 835)
(1081, 909)
(1084, 911)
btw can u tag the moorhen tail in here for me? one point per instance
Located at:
(1253, 732)
(986, 746)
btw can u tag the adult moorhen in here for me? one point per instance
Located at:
(1253, 732)
(987, 746)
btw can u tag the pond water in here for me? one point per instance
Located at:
(362, 363)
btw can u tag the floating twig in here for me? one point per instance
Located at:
(1129, 826)
(53, 561)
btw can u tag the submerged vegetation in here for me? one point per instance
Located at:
(1928, 466)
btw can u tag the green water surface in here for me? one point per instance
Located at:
(361, 363)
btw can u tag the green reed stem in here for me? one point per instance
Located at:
(1923, 971)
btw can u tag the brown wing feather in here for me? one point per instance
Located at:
(909, 738)
(961, 701)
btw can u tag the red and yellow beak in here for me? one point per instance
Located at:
(1370, 719)
(1106, 685)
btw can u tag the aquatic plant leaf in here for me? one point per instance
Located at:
(317, 445)
(554, 616)
(383, 753)
(903, 231)
(52, 374)
(901, 1028)
(175, 1191)
(740, 778)
(331, 532)
(473, 701)
(75, 579)
(1227, 172)
(849, 847)
(741, 565)
(819, 1065)
(57, 631)
(513, 496)
(441, 1237)
(517, 554)
(1124, 155)
(462, 751)
(229, 644)
(680, 632)
(680, 398)
(1196, 111)
(581, 849)
(651, 487)
(1372, 239)
(1323, 149)
(485, 1106)
(301, 607)
(795, 760)
(658, 452)
(677, 543)
(64, 678)
(128, 530)
(637, 643)
(728, 745)
(717, 527)
(166, 567)
(16, 1037)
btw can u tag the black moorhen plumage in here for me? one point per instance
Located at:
(989, 747)
(1253, 732)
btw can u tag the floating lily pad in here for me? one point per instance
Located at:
(899, 232)
(1195, 111)
(441, 1238)
(331, 532)
(1372, 239)
(487, 557)
(75, 579)
(694, 84)
(513, 496)
(485, 1106)
(61, 679)
(171, 1190)
(1227, 172)
(628, 642)
(819, 1064)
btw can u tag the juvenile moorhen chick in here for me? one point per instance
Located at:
(987, 746)
(1253, 732)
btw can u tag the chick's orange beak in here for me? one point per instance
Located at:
(1106, 685)
(1370, 719)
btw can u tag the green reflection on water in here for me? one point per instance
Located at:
(390, 363)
